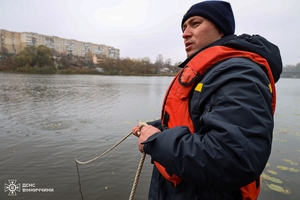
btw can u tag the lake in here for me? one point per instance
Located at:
(46, 121)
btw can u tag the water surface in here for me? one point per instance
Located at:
(48, 120)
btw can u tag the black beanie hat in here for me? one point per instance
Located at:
(218, 12)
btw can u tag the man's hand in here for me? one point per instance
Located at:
(143, 132)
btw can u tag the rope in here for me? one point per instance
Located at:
(137, 176)
(138, 172)
(79, 181)
(108, 150)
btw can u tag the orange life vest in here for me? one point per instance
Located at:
(176, 102)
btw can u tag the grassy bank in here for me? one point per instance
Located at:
(48, 70)
(51, 70)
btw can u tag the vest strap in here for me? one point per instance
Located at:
(174, 179)
(251, 191)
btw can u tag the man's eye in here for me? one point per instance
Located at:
(196, 23)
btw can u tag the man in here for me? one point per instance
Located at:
(215, 133)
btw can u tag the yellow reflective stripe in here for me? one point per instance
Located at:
(270, 87)
(199, 87)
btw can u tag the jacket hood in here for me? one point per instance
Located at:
(252, 43)
(259, 45)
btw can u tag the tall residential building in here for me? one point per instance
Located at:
(14, 42)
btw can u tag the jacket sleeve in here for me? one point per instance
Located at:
(235, 122)
(156, 123)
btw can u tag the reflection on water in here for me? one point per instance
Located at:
(48, 120)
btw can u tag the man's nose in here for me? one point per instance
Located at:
(186, 33)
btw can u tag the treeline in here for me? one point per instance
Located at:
(292, 68)
(42, 59)
(128, 66)
(291, 71)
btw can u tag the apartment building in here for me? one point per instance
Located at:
(14, 42)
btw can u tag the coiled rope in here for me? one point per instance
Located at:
(138, 172)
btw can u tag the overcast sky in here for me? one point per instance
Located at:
(147, 28)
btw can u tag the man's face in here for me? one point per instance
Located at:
(199, 32)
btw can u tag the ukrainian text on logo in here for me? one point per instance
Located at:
(12, 187)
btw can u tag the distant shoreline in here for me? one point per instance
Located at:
(51, 71)
(93, 71)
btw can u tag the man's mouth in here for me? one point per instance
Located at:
(188, 46)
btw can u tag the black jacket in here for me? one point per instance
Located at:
(233, 124)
